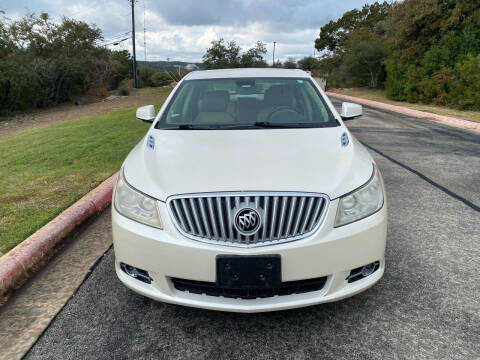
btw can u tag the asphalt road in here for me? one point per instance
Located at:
(427, 306)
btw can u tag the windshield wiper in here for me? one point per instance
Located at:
(255, 125)
(267, 124)
(210, 127)
(188, 127)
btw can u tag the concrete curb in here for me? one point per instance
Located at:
(470, 125)
(20, 263)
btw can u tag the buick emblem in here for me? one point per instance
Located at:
(247, 221)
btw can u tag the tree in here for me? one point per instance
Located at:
(308, 63)
(43, 62)
(123, 60)
(290, 63)
(365, 56)
(420, 50)
(334, 34)
(145, 75)
(220, 55)
(328, 69)
(355, 46)
(433, 39)
(254, 56)
(161, 78)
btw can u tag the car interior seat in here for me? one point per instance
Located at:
(275, 97)
(213, 108)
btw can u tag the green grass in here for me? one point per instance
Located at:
(379, 95)
(46, 169)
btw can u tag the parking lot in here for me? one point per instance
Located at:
(427, 306)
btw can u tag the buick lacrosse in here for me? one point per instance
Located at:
(248, 193)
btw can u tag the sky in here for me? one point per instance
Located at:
(183, 29)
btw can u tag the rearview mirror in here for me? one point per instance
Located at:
(146, 113)
(350, 110)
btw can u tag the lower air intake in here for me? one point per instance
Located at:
(287, 288)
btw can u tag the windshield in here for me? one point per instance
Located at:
(246, 103)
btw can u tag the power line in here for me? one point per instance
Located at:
(116, 42)
(119, 34)
(115, 37)
(89, 9)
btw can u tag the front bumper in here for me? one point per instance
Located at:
(331, 252)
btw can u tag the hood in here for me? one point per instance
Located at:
(195, 161)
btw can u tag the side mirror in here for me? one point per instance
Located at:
(146, 113)
(350, 110)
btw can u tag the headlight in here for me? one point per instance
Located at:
(136, 206)
(362, 202)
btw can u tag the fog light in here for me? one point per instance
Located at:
(363, 271)
(136, 273)
(130, 270)
(368, 269)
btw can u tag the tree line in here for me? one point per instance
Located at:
(223, 55)
(419, 50)
(43, 63)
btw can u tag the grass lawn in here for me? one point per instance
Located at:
(44, 170)
(379, 95)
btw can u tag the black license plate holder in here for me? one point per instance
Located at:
(249, 272)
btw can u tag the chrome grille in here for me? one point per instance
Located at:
(284, 216)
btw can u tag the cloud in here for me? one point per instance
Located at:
(183, 30)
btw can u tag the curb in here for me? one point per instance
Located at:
(470, 125)
(20, 263)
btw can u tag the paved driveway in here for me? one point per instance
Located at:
(427, 306)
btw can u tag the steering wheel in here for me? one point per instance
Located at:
(280, 109)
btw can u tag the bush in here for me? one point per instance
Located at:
(465, 84)
(43, 63)
(423, 51)
(99, 92)
(456, 87)
(395, 82)
(124, 92)
(161, 79)
(126, 83)
(145, 74)
(435, 88)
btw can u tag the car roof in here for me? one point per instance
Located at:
(246, 73)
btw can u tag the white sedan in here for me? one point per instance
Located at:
(249, 194)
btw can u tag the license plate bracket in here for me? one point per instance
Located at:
(249, 272)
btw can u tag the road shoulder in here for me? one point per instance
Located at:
(448, 120)
(31, 309)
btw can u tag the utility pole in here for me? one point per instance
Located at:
(178, 69)
(273, 63)
(144, 33)
(135, 84)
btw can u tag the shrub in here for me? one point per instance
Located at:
(465, 83)
(124, 92)
(395, 82)
(161, 79)
(43, 63)
(100, 92)
(145, 74)
(456, 87)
